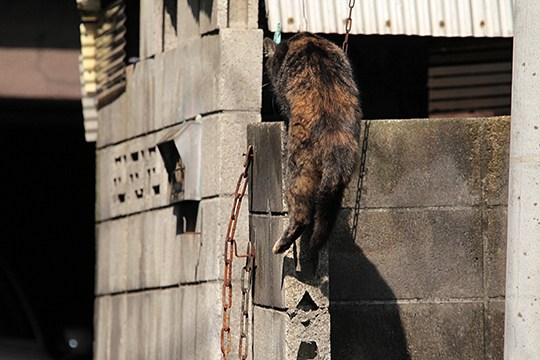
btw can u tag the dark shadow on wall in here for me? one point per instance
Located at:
(365, 322)
(198, 6)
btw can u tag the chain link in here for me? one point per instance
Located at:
(348, 26)
(229, 252)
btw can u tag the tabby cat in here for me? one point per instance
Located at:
(313, 85)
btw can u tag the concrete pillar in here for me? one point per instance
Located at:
(522, 318)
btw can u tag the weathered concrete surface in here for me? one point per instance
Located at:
(267, 185)
(422, 274)
(434, 162)
(217, 72)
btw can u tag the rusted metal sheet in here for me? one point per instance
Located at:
(451, 18)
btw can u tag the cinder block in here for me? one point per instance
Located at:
(243, 14)
(208, 321)
(414, 163)
(302, 292)
(135, 252)
(214, 215)
(265, 230)
(112, 120)
(495, 238)
(151, 249)
(197, 75)
(151, 28)
(187, 19)
(131, 177)
(150, 323)
(267, 176)
(140, 94)
(119, 316)
(187, 332)
(190, 256)
(223, 145)
(102, 328)
(169, 322)
(168, 87)
(495, 156)
(170, 24)
(135, 337)
(408, 331)
(240, 75)
(112, 257)
(494, 336)
(172, 255)
(212, 15)
(408, 254)
(269, 332)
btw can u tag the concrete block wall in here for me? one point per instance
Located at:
(158, 288)
(421, 276)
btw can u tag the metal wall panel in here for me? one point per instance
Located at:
(479, 18)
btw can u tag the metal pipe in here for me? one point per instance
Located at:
(522, 316)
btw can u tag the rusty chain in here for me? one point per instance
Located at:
(229, 252)
(348, 26)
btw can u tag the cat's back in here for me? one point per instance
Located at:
(319, 59)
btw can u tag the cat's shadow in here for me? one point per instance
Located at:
(365, 322)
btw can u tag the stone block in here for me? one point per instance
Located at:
(495, 238)
(198, 75)
(189, 256)
(118, 339)
(496, 153)
(135, 337)
(265, 230)
(170, 24)
(240, 75)
(187, 19)
(187, 338)
(168, 87)
(280, 282)
(150, 323)
(426, 162)
(214, 215)
(102, 328)
(208, 322)
(243, 14)
(294, 284)
(420, 253)
(495, 330)
(407, 331)
(135, 252)
(169, 324)
(223, 145)
(112, 257)
(112, 120)
(267, 177)
(140, 94)
(269, 331)
(151, 28)
(131, 177)
(213, 15)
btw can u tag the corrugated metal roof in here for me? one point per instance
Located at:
(479, 18)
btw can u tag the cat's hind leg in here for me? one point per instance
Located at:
(300, 198)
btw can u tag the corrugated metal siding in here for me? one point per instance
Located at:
(479, 18)
(102, 58)
(470, 81)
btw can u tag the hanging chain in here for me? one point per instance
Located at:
(348, 25)
(229, 252)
